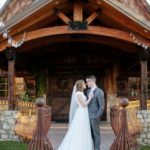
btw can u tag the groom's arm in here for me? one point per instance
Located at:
(100, 98)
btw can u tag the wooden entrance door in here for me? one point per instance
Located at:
(61, 85)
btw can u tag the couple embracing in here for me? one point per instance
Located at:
(84, 117)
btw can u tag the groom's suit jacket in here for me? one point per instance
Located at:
(96, 105)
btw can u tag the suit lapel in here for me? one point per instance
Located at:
(88, 93)
(96, 89)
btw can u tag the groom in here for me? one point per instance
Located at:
(96, 108)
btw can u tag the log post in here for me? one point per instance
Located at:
(143, 95)
(78, 10)
(47, 87)
(10, 54)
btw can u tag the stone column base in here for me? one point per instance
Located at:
(144, 137)
(7, 123)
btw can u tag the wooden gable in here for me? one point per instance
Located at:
(108, 22)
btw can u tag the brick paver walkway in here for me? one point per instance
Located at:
(58, 131)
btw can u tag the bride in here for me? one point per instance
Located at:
(78, 136)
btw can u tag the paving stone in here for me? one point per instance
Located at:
(58, 131)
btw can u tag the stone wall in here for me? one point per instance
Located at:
(7, 122)
(144, 137)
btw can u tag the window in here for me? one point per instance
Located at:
(3, 87)
(134, 86)
(19, 86)
(131, 87)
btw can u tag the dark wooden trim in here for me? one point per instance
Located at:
(143, 101)
(11, 73)
(11, 83)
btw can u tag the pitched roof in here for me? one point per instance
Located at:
(138, 10)
(121, 12)
(14, 7)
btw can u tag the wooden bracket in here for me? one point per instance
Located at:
(93, 16)
(61, 15)
(78, 25)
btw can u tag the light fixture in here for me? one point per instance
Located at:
(138, 42)
(13, 43)
(5, 34)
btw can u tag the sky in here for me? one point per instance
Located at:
(148, 1)
(2, 2)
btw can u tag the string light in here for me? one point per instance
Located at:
(138, 42)
(14, 43)
(17, 44)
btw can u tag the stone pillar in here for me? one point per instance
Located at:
(7, 123)
(144, 137)
(143, 101)
(10, 54)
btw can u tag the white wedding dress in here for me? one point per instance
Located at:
(78, 136)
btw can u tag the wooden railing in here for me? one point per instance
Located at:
(133, 122)
(27, 119)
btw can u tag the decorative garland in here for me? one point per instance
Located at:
(14, 43)
(138, 42)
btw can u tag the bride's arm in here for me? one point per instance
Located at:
(84, 103)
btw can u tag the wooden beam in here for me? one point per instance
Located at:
(37, 44)
(120, 17)
(38, 16)
(78, 10)
(63, 30)
(47, 87)
(11, 73)
(93, 15)
(143, 101)
(62, 16)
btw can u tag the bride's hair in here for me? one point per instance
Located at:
(79, 85)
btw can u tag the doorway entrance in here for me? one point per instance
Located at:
(61, 85)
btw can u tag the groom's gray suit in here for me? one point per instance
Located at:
(96, 108)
